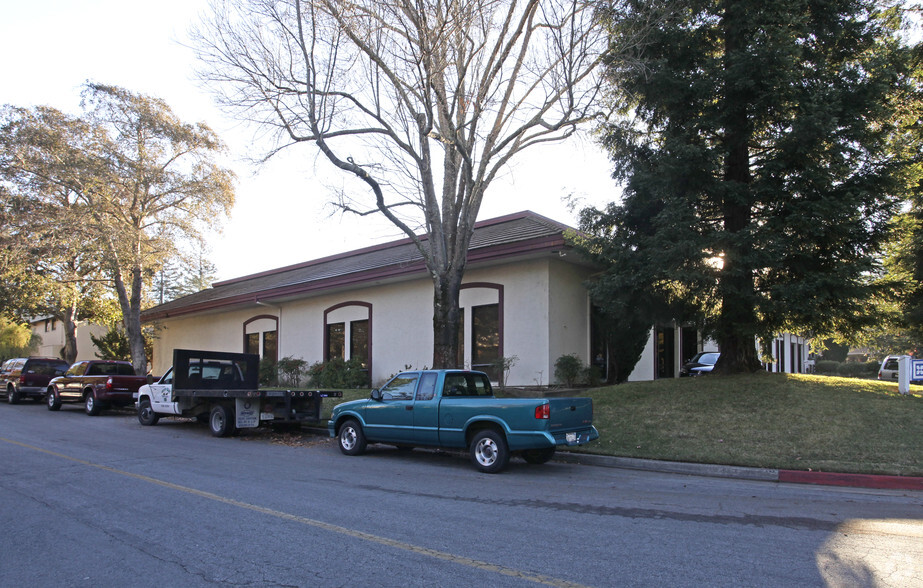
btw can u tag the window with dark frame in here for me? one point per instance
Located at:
(359, 342)
(253, 343)
(336, 341)
(485, 338)
(271, 345)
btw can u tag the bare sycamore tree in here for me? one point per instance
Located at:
(424, 101)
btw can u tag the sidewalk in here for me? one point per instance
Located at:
(745, 473)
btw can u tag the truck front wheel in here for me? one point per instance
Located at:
(489, 451)
(221, 421)
(52, 400)
(351, 438)
(146, 414)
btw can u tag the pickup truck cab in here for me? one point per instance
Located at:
(457, 409)
(98, 384)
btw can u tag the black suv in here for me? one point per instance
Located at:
(28, 377)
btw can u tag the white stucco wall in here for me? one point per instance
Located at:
(214, 332)
(53, 340)
(545, 315)
(569, 320)
(525, 317)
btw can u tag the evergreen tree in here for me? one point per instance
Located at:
(756, 154)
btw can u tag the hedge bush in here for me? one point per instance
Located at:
(847, 369)
(338, 373)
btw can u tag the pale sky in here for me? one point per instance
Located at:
(282, 215)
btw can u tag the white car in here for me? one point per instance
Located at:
(888, 370)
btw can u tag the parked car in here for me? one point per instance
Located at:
(701, 363)
(27, 377)
(98, 383)
(889, 370)
(457, 409)
(5, 367)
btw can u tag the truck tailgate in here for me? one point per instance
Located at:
(570, 414)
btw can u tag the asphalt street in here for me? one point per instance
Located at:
(103, 501)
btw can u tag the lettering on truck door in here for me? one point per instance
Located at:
(162, 394)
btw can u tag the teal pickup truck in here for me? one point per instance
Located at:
(457, 409)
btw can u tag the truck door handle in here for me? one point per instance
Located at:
(408, 407)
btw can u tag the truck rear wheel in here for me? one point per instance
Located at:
(489, 451)
(351, 438)
(146, 414)
(91, 405)
(221, 421)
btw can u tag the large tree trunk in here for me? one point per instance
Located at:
(69, 353)
(446, 323)
(130, 303)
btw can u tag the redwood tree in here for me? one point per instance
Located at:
(756, 153)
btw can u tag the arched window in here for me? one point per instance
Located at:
(348, 333)
(480, 333)
(261, 336)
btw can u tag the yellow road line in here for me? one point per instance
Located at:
(433, 553)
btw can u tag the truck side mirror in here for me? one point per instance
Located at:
(376, 394)
(150, 379)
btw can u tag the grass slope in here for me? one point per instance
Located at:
(766, 420)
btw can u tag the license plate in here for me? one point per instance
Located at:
(267, 416)
(570, 437)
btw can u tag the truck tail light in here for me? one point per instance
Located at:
(543, 411)
(109, 384)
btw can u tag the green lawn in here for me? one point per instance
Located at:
(765, 420)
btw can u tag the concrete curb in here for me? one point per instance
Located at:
(737, 472)
(745, 473)
(670, 467)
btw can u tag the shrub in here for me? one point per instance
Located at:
(826, 367)
(591, 376)
(291, 370)
(338, 373)
(269, 376)
(847, 369)
(567, 369)
(854, 369)
(502, 367)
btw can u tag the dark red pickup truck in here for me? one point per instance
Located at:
(99, 384)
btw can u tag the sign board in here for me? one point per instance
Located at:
(248, 413)
(917, 372)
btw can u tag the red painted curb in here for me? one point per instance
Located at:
(856, 480)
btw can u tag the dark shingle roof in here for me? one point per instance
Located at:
(513, 235)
